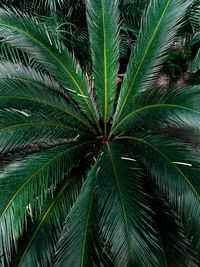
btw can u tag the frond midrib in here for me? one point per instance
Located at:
(122, 203)
(142, 60)
(105, 70)
(52, 105)
(154, 106)
(41, 124)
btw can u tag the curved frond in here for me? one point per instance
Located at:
(76, 234)
(51, 4)
(102, 18)
(195, 65)
(41, 239)
(24, 186)
(167, 166)
(162, 108)
(16, 56)
(36, 40)
(124, 215)
(194, 16)
(19, 128)
(20, 94)
(18, 71)
(159, 26)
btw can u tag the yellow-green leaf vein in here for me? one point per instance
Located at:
(41, 124)
(154, 106)
(36, 172)
(143, 58)
(52, 105)
(105, 71)
(122, 203)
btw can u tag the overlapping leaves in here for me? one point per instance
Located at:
(141, 180)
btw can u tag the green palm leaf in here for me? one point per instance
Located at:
(28, 183)
(18, 71)
(77, 230)
(40, 245)
(102, 17)
(195, 65)
(195, 15)
(37, 41)
(51, 4)
(165, 167)
(161, 115)
(176, 107)
(14, 55)
(18, 129)
(24, 95)
(124, 215)
(160, 24)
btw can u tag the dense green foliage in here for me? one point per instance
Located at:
(91, 175)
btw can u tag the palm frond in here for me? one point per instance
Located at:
(51, 4)
(19, 153)
(196, 38)
(21, 94)
(163, 107)
(19, 71)
(131, 13)
(37, 41)
(16, 56)
(26, 184)
(102, 18)
(167, 166)
(80, 44)
(159, 26)
(76, 234)
(40, 242)
(124, 215)
(20, 128)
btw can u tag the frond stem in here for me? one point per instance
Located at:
(122, 203)
(153, 106)
(52, 105)
(143, 58)
(105, 71)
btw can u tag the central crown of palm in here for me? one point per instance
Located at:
(108, 183)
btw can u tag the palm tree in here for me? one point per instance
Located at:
(90, 178)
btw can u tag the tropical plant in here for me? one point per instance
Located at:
(89, 177)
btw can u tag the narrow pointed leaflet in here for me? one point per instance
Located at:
(159, 27)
